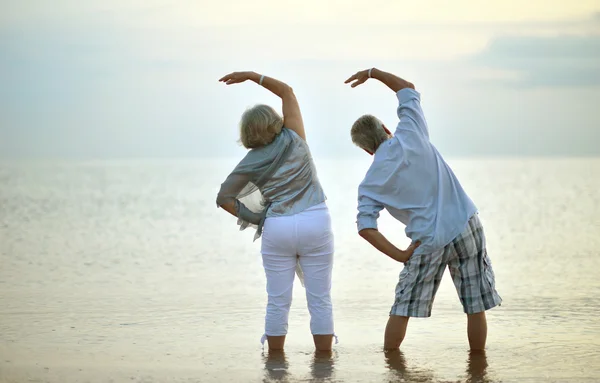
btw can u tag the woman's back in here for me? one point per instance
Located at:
(294, 186)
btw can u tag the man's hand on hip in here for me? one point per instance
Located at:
(380, 242)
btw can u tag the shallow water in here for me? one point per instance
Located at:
(126, 271)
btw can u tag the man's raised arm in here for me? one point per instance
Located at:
(409, 109)
(392, 81)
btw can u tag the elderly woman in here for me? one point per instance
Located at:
(275, 189)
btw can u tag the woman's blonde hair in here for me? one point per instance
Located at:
(259, 126)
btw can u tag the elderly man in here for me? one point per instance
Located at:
(410, 179)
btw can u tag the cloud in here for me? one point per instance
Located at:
(544, 61)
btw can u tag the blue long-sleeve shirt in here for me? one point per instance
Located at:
(410, 179)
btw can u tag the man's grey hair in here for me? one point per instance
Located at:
(259, 126)
(367, 133)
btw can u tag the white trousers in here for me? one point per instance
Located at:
(305, 238)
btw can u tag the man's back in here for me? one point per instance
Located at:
(412, 181)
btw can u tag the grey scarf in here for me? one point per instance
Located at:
(244, 183)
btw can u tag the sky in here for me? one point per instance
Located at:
(138, 78)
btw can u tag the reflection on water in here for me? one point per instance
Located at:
(321, 366)
(396, 363)
(477, 367)
(277, 366)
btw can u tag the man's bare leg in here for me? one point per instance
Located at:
(394, 332)
(477, 330)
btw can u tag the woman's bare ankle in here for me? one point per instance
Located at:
(323, 342)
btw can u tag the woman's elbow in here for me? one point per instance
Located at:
(224, 202)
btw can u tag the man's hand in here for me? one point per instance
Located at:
(236, 77)
(380, 242)
(404, 256)
(358, 78)
(393, 82)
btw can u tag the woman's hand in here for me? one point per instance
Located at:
(236, 77)
(291, 109)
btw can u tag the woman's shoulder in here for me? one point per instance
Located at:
(284, 138)
(296, 139)
(291, 133)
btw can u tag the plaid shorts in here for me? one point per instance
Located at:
(471, 271)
